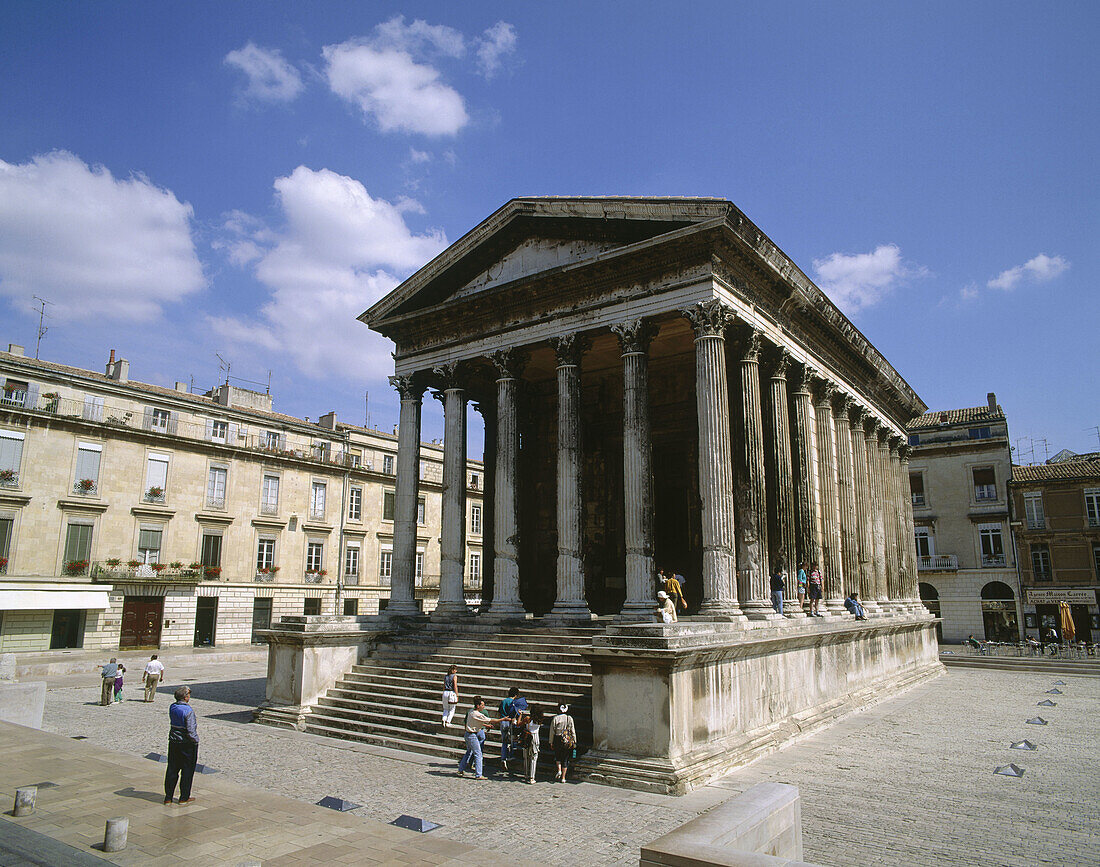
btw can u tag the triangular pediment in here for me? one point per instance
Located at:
(532, 256)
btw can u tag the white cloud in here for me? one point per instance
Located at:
(859, 280)
(417, 157)
(338, 252)
(93, 244)
(496, 44)
(399, 93)
(270, 77)
(969, 292)
(419, 37)
(1041, 269)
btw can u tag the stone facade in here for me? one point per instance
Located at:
(959, 472)
(203, 494)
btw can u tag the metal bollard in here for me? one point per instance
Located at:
(114, 837)
(24, 800)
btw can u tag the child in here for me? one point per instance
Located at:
(118, 682)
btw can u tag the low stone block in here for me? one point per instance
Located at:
(23, 703)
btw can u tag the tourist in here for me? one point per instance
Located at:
(802, 578)
(118, 681)
(154, 674)
(507, 727)
(107, 676)
(450, 695)
(183, 747)
(975, 644)
(563, 741)
(675, 589)
(777, 583)
(530, 742)
(813, 587)
(852, 603)
(1052, 640)
(665, 609)
(476, 724)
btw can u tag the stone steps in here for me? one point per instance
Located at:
(547, 689)
(1034, 665)
(470, 666)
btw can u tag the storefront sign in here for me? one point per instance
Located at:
(1053, 597)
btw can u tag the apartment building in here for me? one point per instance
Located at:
(958, 479)
(1056, 523)
(134, 515)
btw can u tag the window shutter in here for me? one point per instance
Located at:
(147, 422)
(149, 539)
(173, 422)
(32, 396)
(232, 438)
(210, 429)
(156, 474)
(87, 465)
(11, 453)
(78, 542)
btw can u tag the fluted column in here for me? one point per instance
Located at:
(634, 338)
(709, 320)
(889, 514)
(901, 524)
(570, 599)
(912, 592)
(452, 547)
(406, 493)
(751, 497)
(782, 499)
(487, 408)
(864, 523)
(878, 504)
(849, 533)
(809, 537)
(506, 601)
(832, 571)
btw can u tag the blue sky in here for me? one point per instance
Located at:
(181, 180)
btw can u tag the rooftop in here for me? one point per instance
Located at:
(947, 417)
(1064, 471)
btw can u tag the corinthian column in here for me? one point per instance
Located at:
(912, 591)
(487, 408)
(889, 514)
(570, 599)
(849, 533)
(406, 493)
(832, 569)
(864, 524)
(782, 499)
(634, 338)
(709, 320)
(901, 524)
(452, 564)
(752, 515)
(809, 537)
(878, 503)
(506, 601)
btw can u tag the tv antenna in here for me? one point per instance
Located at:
(42, 329)
(225, 365)
(366, 405)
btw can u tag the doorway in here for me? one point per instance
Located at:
(68, 629)
(206, 616)
(261, 617)
(142, 617)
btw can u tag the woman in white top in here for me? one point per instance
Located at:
(450, 695)
(666, 608)
(563, 741)
(531, 744)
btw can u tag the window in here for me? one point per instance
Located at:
(265, 554)
(269, 496)
(317, 500)
(149, 539)
(985, 483)
(387, 464)
(916, 488)
(475, 518)
(420, 511)
(355, 458)
(475, 481)
(979, 433)
(926, 542)
(475, 568)
(423, 469)
(160, 420)
(387, 505)
(156, 478)
(1041, 567)
(15, 393)
(419, 581)
(78, 548)
(355, 504)
(6, 527)
(1095, 553)
(321, 451)
(311, 607)
(87, 468)
(385, 568)
(1033, 510)
(212, 550)
(914, 439)
(351, 561)
(315, 556)
(1092, 506)
(993, 552)
(351, 607)
(272, 440)
(215, 488)
(93, 407)
(217, 430)
(11, 458)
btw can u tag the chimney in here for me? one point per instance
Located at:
(991, 398)
(15, 349)
(118, 370)
(111, 360)
(181, 387)
(328, 420)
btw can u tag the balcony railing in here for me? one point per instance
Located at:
(985, 492)
(993, 560)
(938, 563)
(269, 508)
(1036, 523)
(105, 571)
(215, 502)
(314, 578)
(151, 497)
(9, 479)
(351, 578)
(86, 487)
(14, 398)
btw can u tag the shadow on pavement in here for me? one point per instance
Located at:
(131, 792)
(250, 691)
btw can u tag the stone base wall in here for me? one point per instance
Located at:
(676, 706)
(22, 631)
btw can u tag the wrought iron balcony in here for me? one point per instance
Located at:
(938, 563)
(269, 508)
(993, 560)
(9, 479)
(314, 577)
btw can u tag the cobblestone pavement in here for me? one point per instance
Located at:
(909, 781)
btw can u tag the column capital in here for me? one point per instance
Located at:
(569, 348)
(894, 441)
(804, 378)
(904, 452)
(635, 335)
(710, 318)
(485, 407)
(410, 387)
(509, 362)
(449, 374)
(842, 404)
(778, 362)
(826, 390)
(856, 414)
(750, 345)
(870, 425)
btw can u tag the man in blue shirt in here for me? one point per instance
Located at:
(183, 747)
(108, 673)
